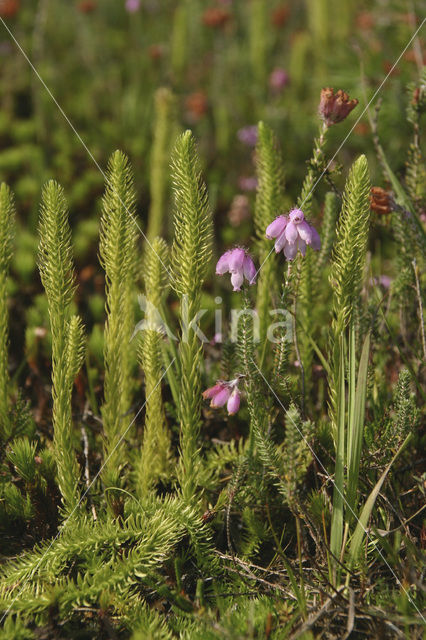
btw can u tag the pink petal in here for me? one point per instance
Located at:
(237, 278)
(280, 242)
(301, 245)
(220, 398)
(236, 259)
(290, 250)
(305, 231)
(276, 227)
(315, 239)
(249, 269)
(223, 264)
(291, 232)
(296, 215)
(212, 391)
(234, 402)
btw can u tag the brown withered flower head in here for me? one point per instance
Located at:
(381, 201)
(196, 105)
(216, 17)
(87, 6)
(280, 15)
(335, 107)
(8, 8)
(155, 52)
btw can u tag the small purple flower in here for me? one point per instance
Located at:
(132, 6)
(383, 281)
(248, 183)
(238, 263)
(292, 234)
(224, 393)
(278, 79)
(248, 135)
(234, 402)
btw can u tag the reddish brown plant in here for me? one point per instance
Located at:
(279, 15)
(381, 201)
(334, 108)
(216, 17)
(196, 104)
(9, 8)
(87, 6)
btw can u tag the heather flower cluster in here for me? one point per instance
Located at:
(238, 263)
(293, 233)
(335, 107)
(224, 393)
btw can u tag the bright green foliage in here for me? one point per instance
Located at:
(191, 253)
(252, 381)
(253, 534)
(317, 166)
(306, 284)
(15, 628)
(109, 557)
(287, 464)
(21, 455)
(179, 39)
(155, 454)
(269, 204)
(164, 130)
(297, 452)
(147, 624)
(57, 275)
(18, 505)
(258, 39)
(347, 269)
(117, 252)
(406, 412)
(7, 221)
(383, 440)
(151, 567)
(269, 197)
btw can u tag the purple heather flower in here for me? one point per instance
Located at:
(238, 263)
(383, 281)
(292, 234)
(278, 79)
(132, 6)
(217, 338)
(234, 402)
(224, 393)
(248, 135)
(248, 183)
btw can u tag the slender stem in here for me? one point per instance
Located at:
(419, 299)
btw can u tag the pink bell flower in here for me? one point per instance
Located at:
(238, 263)
(234, 402)
(132, 6)
(293, 233)
(278, 79)
(224, 393)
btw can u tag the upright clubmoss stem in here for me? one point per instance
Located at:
(7, 220)
(191, 254)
